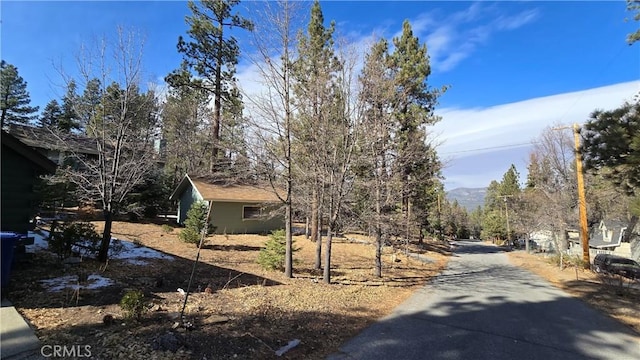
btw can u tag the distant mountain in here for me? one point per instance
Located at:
(469, 198)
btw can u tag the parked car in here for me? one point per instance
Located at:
(618, 265)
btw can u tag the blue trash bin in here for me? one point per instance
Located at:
(9, 240)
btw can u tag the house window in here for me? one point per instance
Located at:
(251, 212)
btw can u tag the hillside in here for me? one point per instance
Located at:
(469, 198)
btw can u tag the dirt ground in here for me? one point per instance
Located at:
(249, 312)
(614, 295)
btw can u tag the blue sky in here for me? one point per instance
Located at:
(513, 67)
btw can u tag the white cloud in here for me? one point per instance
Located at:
(519, 20)
(496, 130)
(454, 38)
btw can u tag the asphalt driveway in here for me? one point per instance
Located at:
(482, 307)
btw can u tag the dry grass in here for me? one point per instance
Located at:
(618, 297)
(250, 312)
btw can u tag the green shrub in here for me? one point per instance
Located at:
(195, 223)
(132, 303)
(74, 237)
(167, 228)
(272, 256)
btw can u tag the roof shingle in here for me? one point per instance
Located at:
(234, 193)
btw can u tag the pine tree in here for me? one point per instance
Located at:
(611, 145)
(510, 185)
(88, 106)
(413, 109)
(195, 223)
(50, 117)
(69, 119)
(212, 54)
(184, 115)
(377, 148)
(14, 97)
(315, 73)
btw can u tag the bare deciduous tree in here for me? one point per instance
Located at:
(120, 123)
(272, 109)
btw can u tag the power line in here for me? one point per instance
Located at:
(490, 148)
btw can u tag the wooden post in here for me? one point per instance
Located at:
(584, 234)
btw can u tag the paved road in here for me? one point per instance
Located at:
(482, 307)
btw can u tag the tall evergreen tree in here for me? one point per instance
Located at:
(88, 106)
(315, 75)
(413, 108)
(611, 148)
(184, 122)
(14, 97)
(212, 54)
(50, 117)
(376, 147)
(510, 185)
(69, 120)
(611, 145)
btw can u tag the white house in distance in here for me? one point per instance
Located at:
(607, 238)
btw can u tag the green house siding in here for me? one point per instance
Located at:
(188, 197)
(18, 200)
(227, 218)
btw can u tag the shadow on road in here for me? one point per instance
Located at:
(495, 329)
(476, 247)
(483, 308)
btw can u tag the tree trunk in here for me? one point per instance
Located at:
(318, 262)
(378, 230)
(103, 255)
(306, 228)
(327, 255)
(314, 215)
(288, 260)
(378, 251)
(217, 110)
(630, 227)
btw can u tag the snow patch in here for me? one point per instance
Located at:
(39, 241)
(133, 253)
(71, 282)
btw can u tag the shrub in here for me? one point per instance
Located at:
(132, 303)
(75, 236)
(271, 257)
(167, 228)
(195, 223)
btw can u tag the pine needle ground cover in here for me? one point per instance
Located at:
(238, 309)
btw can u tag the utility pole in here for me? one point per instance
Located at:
(582, 202)
(584, 234)
(506, 212)
(440, 237)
